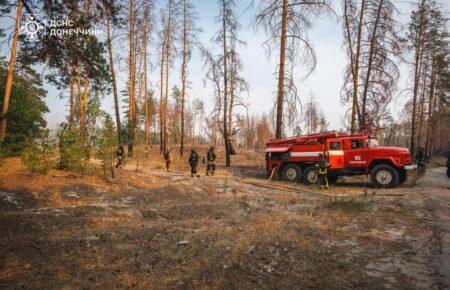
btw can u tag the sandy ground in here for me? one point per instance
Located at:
(156, 230)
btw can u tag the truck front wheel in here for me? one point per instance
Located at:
(384, 176)
(292, 172)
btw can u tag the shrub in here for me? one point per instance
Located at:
(38, 155)
(106, 146)
(72, 155)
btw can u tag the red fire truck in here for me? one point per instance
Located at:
(293, 158)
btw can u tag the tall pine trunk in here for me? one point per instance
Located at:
(132, 77)
(114, 83)
(232, 92)
(422, 104)
(82, 107)
(161, 98)
(71, 103)
(280, 95)
(363, 124)
(355, 104)
(225, 87)
(430, 110)
(147, 116)
(168, 29)
(166, 100)
(417, 64)
(183, 76)
(10, 76)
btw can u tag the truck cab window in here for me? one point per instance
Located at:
(336, 145)
(355, 144)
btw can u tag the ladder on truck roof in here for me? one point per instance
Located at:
(302, 138)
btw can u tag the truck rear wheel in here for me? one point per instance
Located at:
(310, 175)
(292, 172)
(384, 176)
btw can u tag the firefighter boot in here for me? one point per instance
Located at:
(321, 181)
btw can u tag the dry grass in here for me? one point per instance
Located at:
(346, 204)
(152, 229)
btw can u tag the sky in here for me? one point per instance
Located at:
(324, 83)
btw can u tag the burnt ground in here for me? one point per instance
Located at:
(158, 230)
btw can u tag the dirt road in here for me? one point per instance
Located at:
(153, 230)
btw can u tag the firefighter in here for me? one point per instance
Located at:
(168, 159)
(422, 158)
(120, 152)
(322, 170)
(211, 158)
(193, 162)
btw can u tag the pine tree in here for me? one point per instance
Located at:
(287, 23)
(106, 146)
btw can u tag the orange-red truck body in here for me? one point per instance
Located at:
(347, 154)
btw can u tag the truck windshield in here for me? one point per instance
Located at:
(372, 143)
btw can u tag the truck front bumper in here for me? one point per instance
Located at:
(411, 166)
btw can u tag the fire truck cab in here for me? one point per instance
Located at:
(293, 158)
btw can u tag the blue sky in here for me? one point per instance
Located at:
(325, 83)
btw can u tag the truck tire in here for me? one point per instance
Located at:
(292, 172)
(310, 175)
(384, 176)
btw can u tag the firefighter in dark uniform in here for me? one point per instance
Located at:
(120, 153)
(322, 170)
(168, 159)
(422, 158)
(211, 158)
(193, 162)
